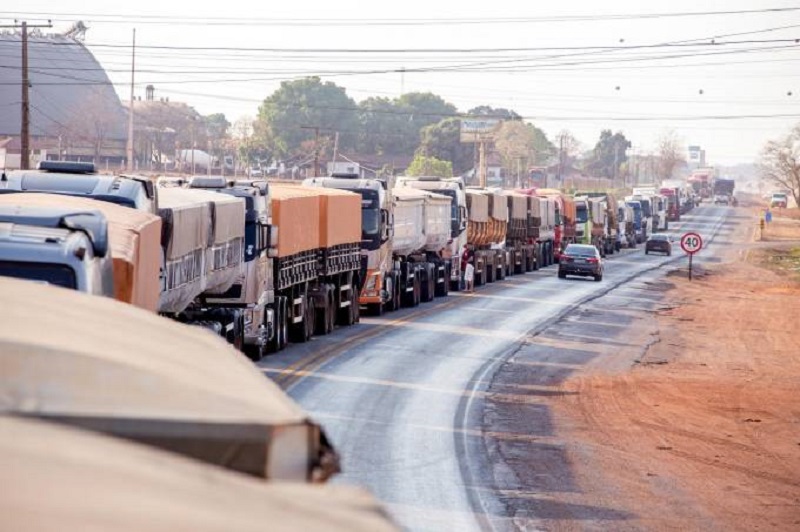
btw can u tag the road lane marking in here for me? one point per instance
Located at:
(497, 435)
(458, 329)
(499, 397)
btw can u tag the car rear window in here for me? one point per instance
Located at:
(581, 251)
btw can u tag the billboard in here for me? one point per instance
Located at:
(479, 129)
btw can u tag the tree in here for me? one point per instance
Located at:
(780, 162)
(429, 166)
(670, 154)
(217, 127)
(285, 116)
(489, 111)
(382, 126)
(442, 140)
(609, 153)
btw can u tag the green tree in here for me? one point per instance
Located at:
(382, 124)
(442, 140)
(500, 112)
(609, 154)
(429, 166)
(420, 109)
(521, 145)
(302, 104)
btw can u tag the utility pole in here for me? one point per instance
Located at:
(129, 151)
(25, 122)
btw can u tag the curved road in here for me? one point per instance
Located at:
(410, 399)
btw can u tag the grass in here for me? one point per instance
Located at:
(782, 261)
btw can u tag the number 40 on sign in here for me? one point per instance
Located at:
(691, 243)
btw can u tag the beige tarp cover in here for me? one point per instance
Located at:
(437, 221)
(295, 212)
(339, 217)
(519, 205)
(478, 204)
(100, 364)
(536, 207)
(134, 238)
(191, 221)
(225, 260)
(59, 478)
(498, 206)
(227, 214)
(409, 220)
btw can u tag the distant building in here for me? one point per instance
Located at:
(75, 113)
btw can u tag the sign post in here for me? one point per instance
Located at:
(691, 243)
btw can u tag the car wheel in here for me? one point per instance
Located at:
(562, 275)
(646, 252)
(598, 278)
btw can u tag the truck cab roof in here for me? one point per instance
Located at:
(91, 223)
(130, 191)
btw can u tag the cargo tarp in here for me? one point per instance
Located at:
(186, 239)
(113, 368)
(59, 478)
(339, 217)
(519, 205)
(498, 206)
(437, 221)
(225, 258)
(409, 220)
(478, 205)
(134, 238)
(295, 212)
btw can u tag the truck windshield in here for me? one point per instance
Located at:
(370, 214)
(646, 208)
(55, 274)
(455, 223)
(581, 213)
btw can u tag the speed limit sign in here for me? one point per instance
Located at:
(691, 243)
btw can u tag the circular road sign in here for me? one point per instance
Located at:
(691, 243)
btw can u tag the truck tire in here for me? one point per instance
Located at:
(301, 332)
(427, 282)
(375, 309)
(417, 288)
(322, 314)
(442, 288)
(347, 316)
(397, 299)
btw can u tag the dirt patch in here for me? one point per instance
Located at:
(704, 432)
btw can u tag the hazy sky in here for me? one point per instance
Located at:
(561, 65)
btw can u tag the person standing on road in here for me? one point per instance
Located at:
(469, 277)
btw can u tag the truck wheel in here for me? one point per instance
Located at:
(376, 309)
(301, 332)
(417, 288)
(428, 282)
(254, 352)
(355, 308)
(347, 315)
(322, 315)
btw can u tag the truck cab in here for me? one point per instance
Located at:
(62, 247)
(452, 187)
(254, 290)
(381, 277)
(81, 179)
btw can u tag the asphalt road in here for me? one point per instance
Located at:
(441, 411)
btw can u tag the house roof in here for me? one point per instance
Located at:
(65, 78)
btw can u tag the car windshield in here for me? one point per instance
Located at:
(659, 237)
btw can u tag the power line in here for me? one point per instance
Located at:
(421, 50)
(350, 22)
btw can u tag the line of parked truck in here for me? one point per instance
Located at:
(265, 263)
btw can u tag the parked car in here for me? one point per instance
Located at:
(659, 242)
(581, 259)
